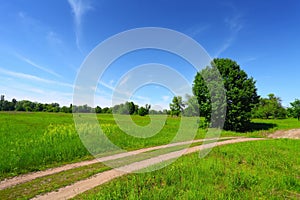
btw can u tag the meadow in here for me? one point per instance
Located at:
(254, 170)
(36, 141)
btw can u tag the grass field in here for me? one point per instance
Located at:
(253, 170)
(35, 141)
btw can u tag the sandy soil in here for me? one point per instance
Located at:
(292, 134)
(98, 179)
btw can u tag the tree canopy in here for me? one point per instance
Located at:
(241, 93)
(269, 107)
(295, 108)
(176, 106)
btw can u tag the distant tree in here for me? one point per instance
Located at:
(176, 106)
(65, 109)
(116, 108)
(289, 112)
(295, 109)
(136, 109)
(144, 110)
(240, 93)
(106, 110)
(98, 109)
(131, 107)
(166, 112)
(155, 112)
(82, 109)
(269, 107)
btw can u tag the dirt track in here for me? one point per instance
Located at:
(292, 134)
(98, 179)
(28, 177)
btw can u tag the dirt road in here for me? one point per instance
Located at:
(98, 179)
(292, 134)
(31, 176)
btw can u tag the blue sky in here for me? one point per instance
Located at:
(43, 43)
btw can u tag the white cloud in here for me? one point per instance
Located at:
(111, 82)
(196, 30)
(165, 98)
(33, 78)
(124, 80)
(79, 8)
(38, 66)
(53, 38)
(106, 85)
(235, 25)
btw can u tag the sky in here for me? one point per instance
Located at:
(44, 43)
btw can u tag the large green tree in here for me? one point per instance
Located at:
(241, 93)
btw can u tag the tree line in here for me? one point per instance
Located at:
(29, 106)
(266, 108)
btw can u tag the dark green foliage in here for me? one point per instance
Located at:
(107, 110)
(82, 109)
(98, 109)
(295, 109)
(269, 107)
(144, 110)
(176, 106)
(240, 93)
(129, 108)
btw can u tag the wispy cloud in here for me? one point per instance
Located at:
(79, 8)
(106, 85)
(165, 98)
(247, 60)
(27, 60)
(235, 25)
(53, 38)
(196, 30)
(125, 80)
(33, 78)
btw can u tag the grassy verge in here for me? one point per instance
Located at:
(254, 170)
(52, 182)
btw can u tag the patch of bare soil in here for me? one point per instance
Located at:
(292, 134)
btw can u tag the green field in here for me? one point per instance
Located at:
(35, 141)
(253, 170)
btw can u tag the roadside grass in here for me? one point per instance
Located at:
(37, 141)
(267, 169)
(52, 182)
